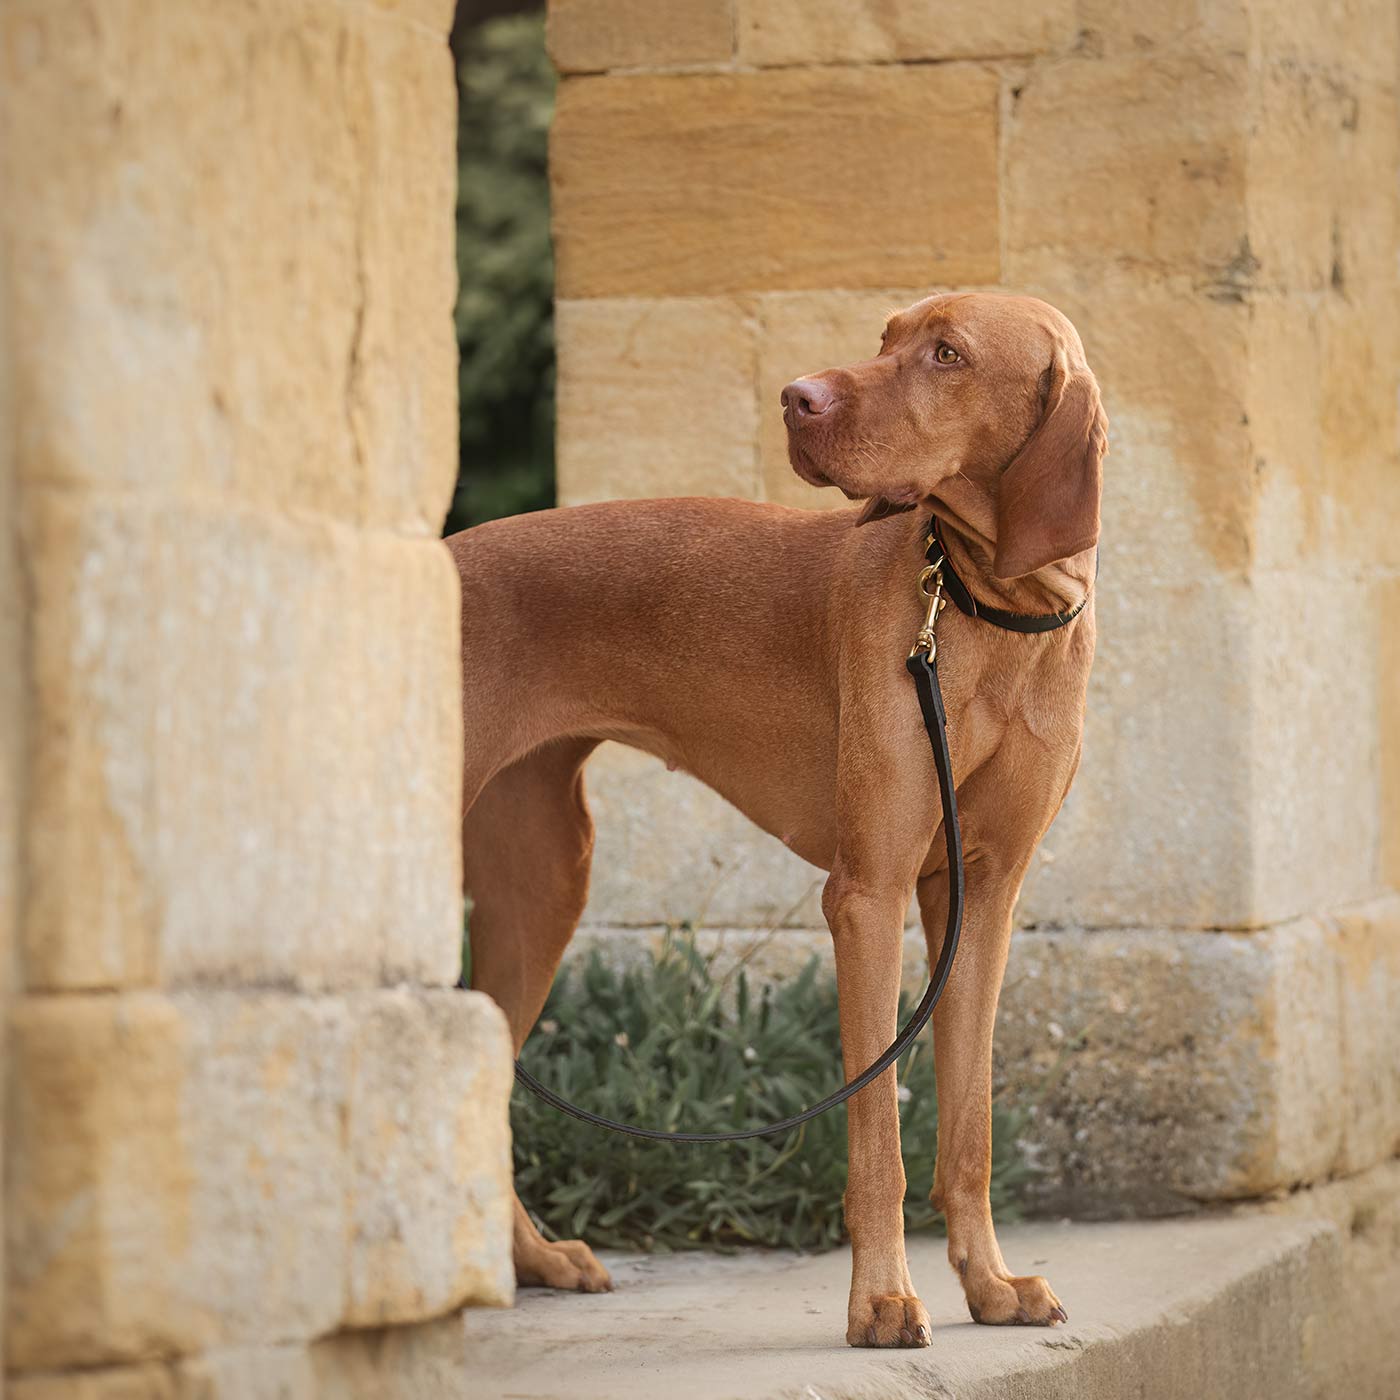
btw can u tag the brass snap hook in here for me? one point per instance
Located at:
(925, 640)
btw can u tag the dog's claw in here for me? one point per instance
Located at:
(906, 1336)
(923, 1336)
(1058, 1314)
(870, 1336)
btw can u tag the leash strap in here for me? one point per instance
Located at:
(923, 667)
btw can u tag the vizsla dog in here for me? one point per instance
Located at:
(762, 649)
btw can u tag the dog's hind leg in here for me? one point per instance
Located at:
(527, 843)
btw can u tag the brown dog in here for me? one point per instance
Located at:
(762, 649)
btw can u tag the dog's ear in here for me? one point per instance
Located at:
(1048, 501)
(877, 508)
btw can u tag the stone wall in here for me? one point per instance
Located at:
(248, 1122)
(1204, 992)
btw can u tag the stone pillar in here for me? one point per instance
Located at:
(1205, 996)
(247, 1117)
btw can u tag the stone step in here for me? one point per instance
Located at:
(1241, 1304)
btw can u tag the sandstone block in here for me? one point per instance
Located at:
(1159, 187)
(1178, 480)
(1348, 38)
(1112, 27)
(655, 398)
(435, 15)
(660, 187)
(1314, 819)
(670, 850)
(145, 1382)
(429, 1149)
(588, 36)
(1387, 594)
(786, 32)
(255, 759)
(424, 1362)
(216, 1169)
(1169, 1068)
(177, 1176)
(1323, 416)
(234, 270)
(1319, 148)
(1156, 826)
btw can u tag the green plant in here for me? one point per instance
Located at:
(505, 265)
(668, 1044)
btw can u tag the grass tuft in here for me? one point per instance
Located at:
(667, 1044)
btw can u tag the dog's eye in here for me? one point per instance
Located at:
(945, 354)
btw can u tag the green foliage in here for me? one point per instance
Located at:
(668, 1045)
(505, 312)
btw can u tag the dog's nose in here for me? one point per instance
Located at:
(807, 398)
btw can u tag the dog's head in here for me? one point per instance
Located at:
(969, 393)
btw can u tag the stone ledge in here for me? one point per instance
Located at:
(1239, 1304)
(1292, 1301)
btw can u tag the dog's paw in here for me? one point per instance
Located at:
(1025, 1302)
(562, 1264)
(888, 1320)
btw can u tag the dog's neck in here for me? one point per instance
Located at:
(965, 532)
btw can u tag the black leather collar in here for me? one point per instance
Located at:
(958, 591)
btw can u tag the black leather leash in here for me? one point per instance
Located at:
(922, 664)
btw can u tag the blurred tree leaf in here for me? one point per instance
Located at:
(505, 311)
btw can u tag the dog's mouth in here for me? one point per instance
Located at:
(813, 475)
(805, 465)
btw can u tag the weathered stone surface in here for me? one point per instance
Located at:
(1347, 38)
(236, 265)
(588, 36)
(178, 1178)
(659, 187)
(424, 1362)
(870, 31)
(1109, 27)
(429, 1149)
(242, 656)
(227, 378)
(668, 849)
(1169, 1068)
(1322, 411)
(429, 1362)
(216, 1168)
(150, 1381)
(1387, 596)
(1178, 491)
(656, 398)
(1157, 188)
(1316, 145)
(1315, 803)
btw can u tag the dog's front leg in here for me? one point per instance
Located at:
(867, 928)
(962, 1041)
